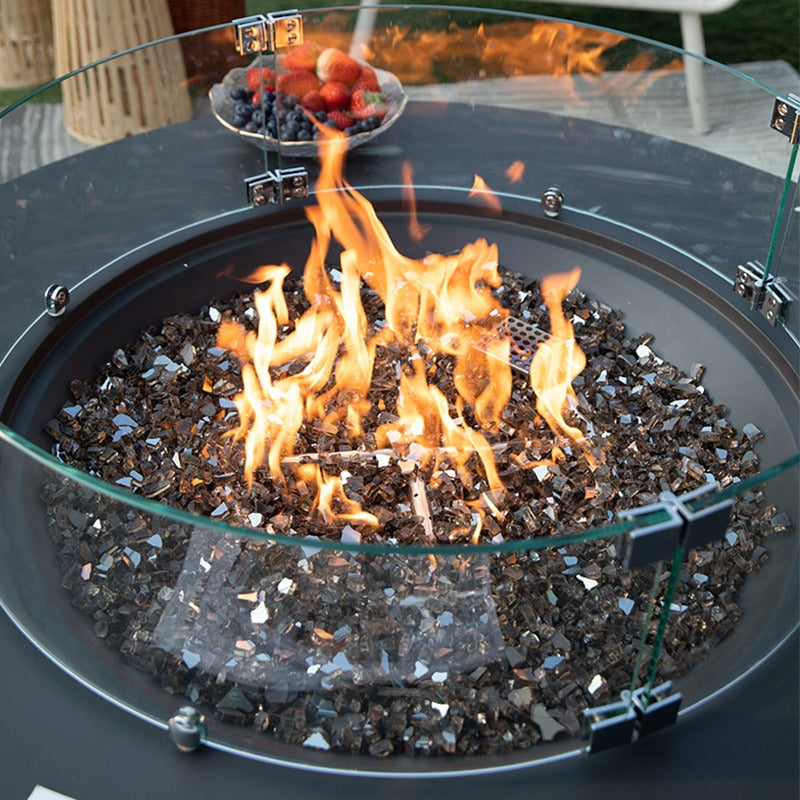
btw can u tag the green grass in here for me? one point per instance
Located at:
(9, 96)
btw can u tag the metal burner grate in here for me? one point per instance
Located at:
(525, 338)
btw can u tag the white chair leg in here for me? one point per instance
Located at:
(365, 23)
(694, 42)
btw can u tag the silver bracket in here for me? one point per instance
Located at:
(769, 295)
(277, 186)
(267, 33)
(749, 283)
(631, 718)
(608, 726)
(777, 299)
(657, 542)
(786, 118)
(657, 709)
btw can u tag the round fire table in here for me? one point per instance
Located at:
(585, 152)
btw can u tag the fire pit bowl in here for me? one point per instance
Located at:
(424, 622)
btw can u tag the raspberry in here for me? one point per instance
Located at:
(256, 76)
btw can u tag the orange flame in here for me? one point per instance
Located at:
(559, 360)
(330, 495)
(425, 419)
(436, 305)
(481, 191)
(514, 48)
(515, 171)
(445, 301)
(415, 230)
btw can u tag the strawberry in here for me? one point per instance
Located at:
(256, 76)
(336, 95)
(303, 56)
(367, 80)
(365, 104)
(340, 119)
(335, 65)
(313, 101)
(298, 82)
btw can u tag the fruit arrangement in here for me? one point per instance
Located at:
(314, 87)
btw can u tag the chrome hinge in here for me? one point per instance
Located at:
(683, 526)
(769, 295)
(277, 186)
(632, 718)
(777, 299)
(266, 33)
(749, 283)
(786, 117)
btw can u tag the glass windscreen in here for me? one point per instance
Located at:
(405, 382)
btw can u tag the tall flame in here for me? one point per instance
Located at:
(321, 369)
(440, 304)
(559, 360)
(415, 230)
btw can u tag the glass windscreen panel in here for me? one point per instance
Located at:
(431, 619)
(64, 169)
(352, 649)
(474, 77)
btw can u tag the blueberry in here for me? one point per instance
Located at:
(239, 121)
(351, 130)
(251, 127)
(303, 136)
(374, 122)
(240, 93)
(268, 96)
(291, 100)
(321, 116)
(258, 117)
(242, 109)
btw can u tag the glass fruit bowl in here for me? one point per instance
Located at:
(223, 106)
